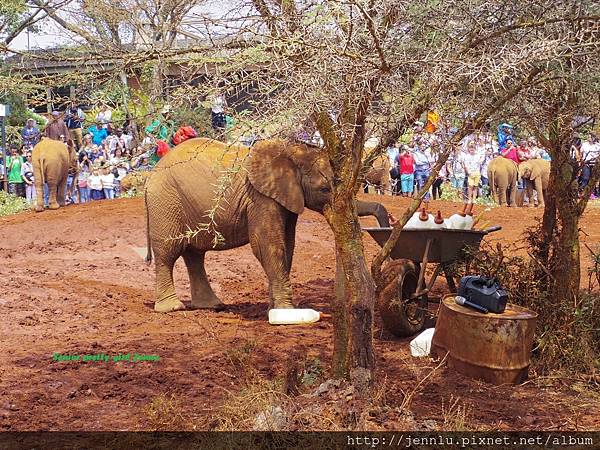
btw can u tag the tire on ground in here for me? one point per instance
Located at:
(401, 315)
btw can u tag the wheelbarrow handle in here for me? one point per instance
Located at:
(492, 229)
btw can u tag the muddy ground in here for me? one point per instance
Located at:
(73, 284)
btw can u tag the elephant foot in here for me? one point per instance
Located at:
(168, 305)
(217, 307)
(212, 303)
(286, 305)
(39, 208)
(54, 206)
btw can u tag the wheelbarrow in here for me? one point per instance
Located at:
(403, 301)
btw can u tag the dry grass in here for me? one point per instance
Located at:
(167, 414)
(456, 415)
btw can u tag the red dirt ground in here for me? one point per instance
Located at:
(72, 284)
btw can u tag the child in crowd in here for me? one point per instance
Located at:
(95, 185)
(472, 165)
(27, 175)
(82, 183)
(108, 183)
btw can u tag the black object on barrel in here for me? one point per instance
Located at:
(484, 292)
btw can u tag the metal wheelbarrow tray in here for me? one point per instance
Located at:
(403, 301)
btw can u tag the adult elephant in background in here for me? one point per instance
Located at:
(502, 178)
(51, 161)
(259, 204)
(536, 175)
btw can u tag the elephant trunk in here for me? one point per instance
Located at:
(373, 209)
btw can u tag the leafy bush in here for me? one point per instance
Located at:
(11, 204)
(567, 333)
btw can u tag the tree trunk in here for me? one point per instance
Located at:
(566, 265)
(353, 335)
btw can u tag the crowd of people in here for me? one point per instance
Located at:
(466, 169)
(105, 153)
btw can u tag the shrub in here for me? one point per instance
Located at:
(567, 333)
(11, 204)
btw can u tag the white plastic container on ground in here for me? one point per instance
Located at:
(421, 345)
(293, 316)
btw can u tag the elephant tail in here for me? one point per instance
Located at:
(148, 258)
(492, 182)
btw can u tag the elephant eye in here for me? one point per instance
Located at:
(326, 189)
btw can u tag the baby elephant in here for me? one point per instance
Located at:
(268, 186)
(536, 174)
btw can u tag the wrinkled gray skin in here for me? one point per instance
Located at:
(260, 206)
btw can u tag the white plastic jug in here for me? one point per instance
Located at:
(456, 221)
(421, 220)
(421, 345)
(293, 316)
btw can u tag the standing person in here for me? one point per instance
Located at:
(57, 130)
(31, 134)
(422, 158)
(27, 175)
(2, 171)
(509, 151)
(505, 132)
(587, 155)
(523, 152)
(98, 132)
(74, 118)
(488, 156)
(217, 113)
(393, 152)
(82, 183)
(95, 185)
(104, 116)
(472, 165)
(108, 183)
(16, 185)
(406, 167)
(456, 171)
(436, 187)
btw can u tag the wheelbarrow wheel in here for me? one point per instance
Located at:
(401, 314)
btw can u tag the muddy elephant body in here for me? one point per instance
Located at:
(194, 205)
(536, 175)
(379, 175)
(502, 177)
(51, 161)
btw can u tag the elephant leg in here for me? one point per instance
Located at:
(528, 191)
(166, 299)
(52, 195)
(268, 242)
(39, 192)
(540, 191)
(290, 240)
(61, 191)
(502, 195)
(203, 297)
(513, 193)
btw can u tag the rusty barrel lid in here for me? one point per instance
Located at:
(492, 347)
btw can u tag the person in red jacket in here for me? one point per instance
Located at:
(510, 151)
(406, 164)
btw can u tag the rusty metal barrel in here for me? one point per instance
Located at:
(495, 348)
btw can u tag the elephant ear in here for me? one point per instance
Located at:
(272, 173)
